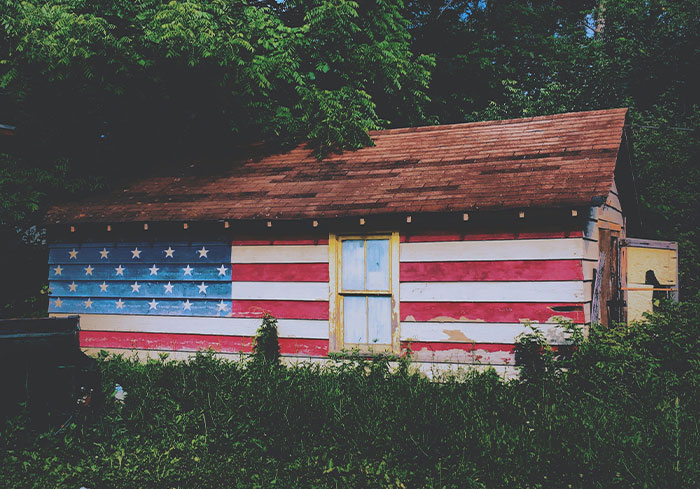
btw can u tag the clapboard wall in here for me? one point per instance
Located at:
(608, 216)
(464, 297)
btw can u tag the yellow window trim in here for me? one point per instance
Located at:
(335, 316)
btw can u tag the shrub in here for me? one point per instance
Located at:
(266, 347)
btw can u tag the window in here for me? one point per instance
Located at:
(364, 292)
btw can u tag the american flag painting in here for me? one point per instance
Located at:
(165, 279)
(463, 297)
(188, 296)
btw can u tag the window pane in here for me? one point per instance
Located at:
(353, 264)
(355, 319)
(379, 320)
(377, 264)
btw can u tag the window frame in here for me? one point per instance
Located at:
(336, 326)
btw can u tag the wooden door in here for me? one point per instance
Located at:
(610, 297)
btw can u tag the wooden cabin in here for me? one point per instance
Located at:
(450, 239)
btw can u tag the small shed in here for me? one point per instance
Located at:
(450, 239)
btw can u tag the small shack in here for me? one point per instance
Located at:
(450, 239)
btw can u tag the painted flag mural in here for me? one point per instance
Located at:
(464, 298)
(163, 279)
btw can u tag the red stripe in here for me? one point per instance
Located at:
(268, 242)
(422, 238)
(194, 342)
(280, 309)
(491, 271)
(490, 312)
(279, 272)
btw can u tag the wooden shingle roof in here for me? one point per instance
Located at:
(541, 162)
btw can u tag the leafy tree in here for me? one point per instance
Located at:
(508, 59)
(486, 50)
(182, 76)
(117, 88)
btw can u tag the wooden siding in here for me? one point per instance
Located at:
(467, 297)
(464, 297)
(609, 217)
(285, 278)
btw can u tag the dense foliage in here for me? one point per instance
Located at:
(622, 413)
(111, 89)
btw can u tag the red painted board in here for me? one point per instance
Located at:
(280, 309)
(490, 312)
(491, 271)
(279, 272)
(194, 342)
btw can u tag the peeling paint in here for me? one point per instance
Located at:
(447, 319)
(465, 356)
(457, 335)
(460, 319)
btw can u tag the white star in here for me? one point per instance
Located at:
(120, 304)
(168, 288)
(103, 287)
(73, 287)
(135, 287)
(169, 252)
(203, 252)
(88, 304)
(104, 253)
(188, 270)
(154, 269)
(187, 305)
(135, 253)
(120, 270)
(221, 306)
(152, 305)
(203, 288)
(58, 270)
(88, 270)
(73, 254)
(58, 302)
(222, 270)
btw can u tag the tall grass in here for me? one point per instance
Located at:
(620, 410)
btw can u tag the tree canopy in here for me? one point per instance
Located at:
(98, 88)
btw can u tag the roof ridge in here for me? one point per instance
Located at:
(494, 122)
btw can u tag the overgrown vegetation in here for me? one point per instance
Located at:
(620, 410)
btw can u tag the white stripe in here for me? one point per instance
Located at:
(293, 291)
(492, 291)
(279, 254)
(288, 328)
(476, 332)
(515, 249)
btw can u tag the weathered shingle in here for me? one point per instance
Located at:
(548, 161)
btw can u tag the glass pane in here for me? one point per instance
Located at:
(355, 319)
(379, 320)
(377, 264)
(353, 264)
